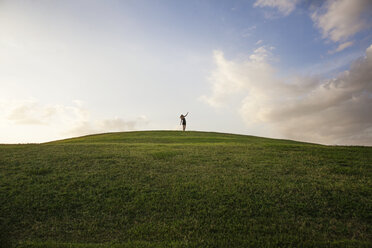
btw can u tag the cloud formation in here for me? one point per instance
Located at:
(329, 111)
(284, 6)
(58, 121)
(116, 124)
(341, 47)
(232, 77)
(339, 20)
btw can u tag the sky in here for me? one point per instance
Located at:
(289, 69)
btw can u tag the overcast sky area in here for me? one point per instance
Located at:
(292, 69)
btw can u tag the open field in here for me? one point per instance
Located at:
(184, 189)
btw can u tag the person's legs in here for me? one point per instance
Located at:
(184, 127)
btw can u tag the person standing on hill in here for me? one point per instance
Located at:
(183, 121)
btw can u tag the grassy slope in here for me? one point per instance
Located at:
(192, 189)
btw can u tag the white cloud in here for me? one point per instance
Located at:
(284, 6)
(233, 77)
(339, 20)
(32, 121)
(116, 124)
(248, 31)
(24, 113)
(341, 47)
(331, 111)
(31, 112)
(259, 42)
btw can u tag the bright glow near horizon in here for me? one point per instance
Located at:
(285, 69)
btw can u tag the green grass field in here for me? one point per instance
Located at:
(184, 189)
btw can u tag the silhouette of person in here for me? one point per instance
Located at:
(183, 121)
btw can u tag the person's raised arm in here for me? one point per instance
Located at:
(186, 114)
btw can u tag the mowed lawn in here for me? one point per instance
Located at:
(184, 189)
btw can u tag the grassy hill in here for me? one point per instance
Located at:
(184, 189)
